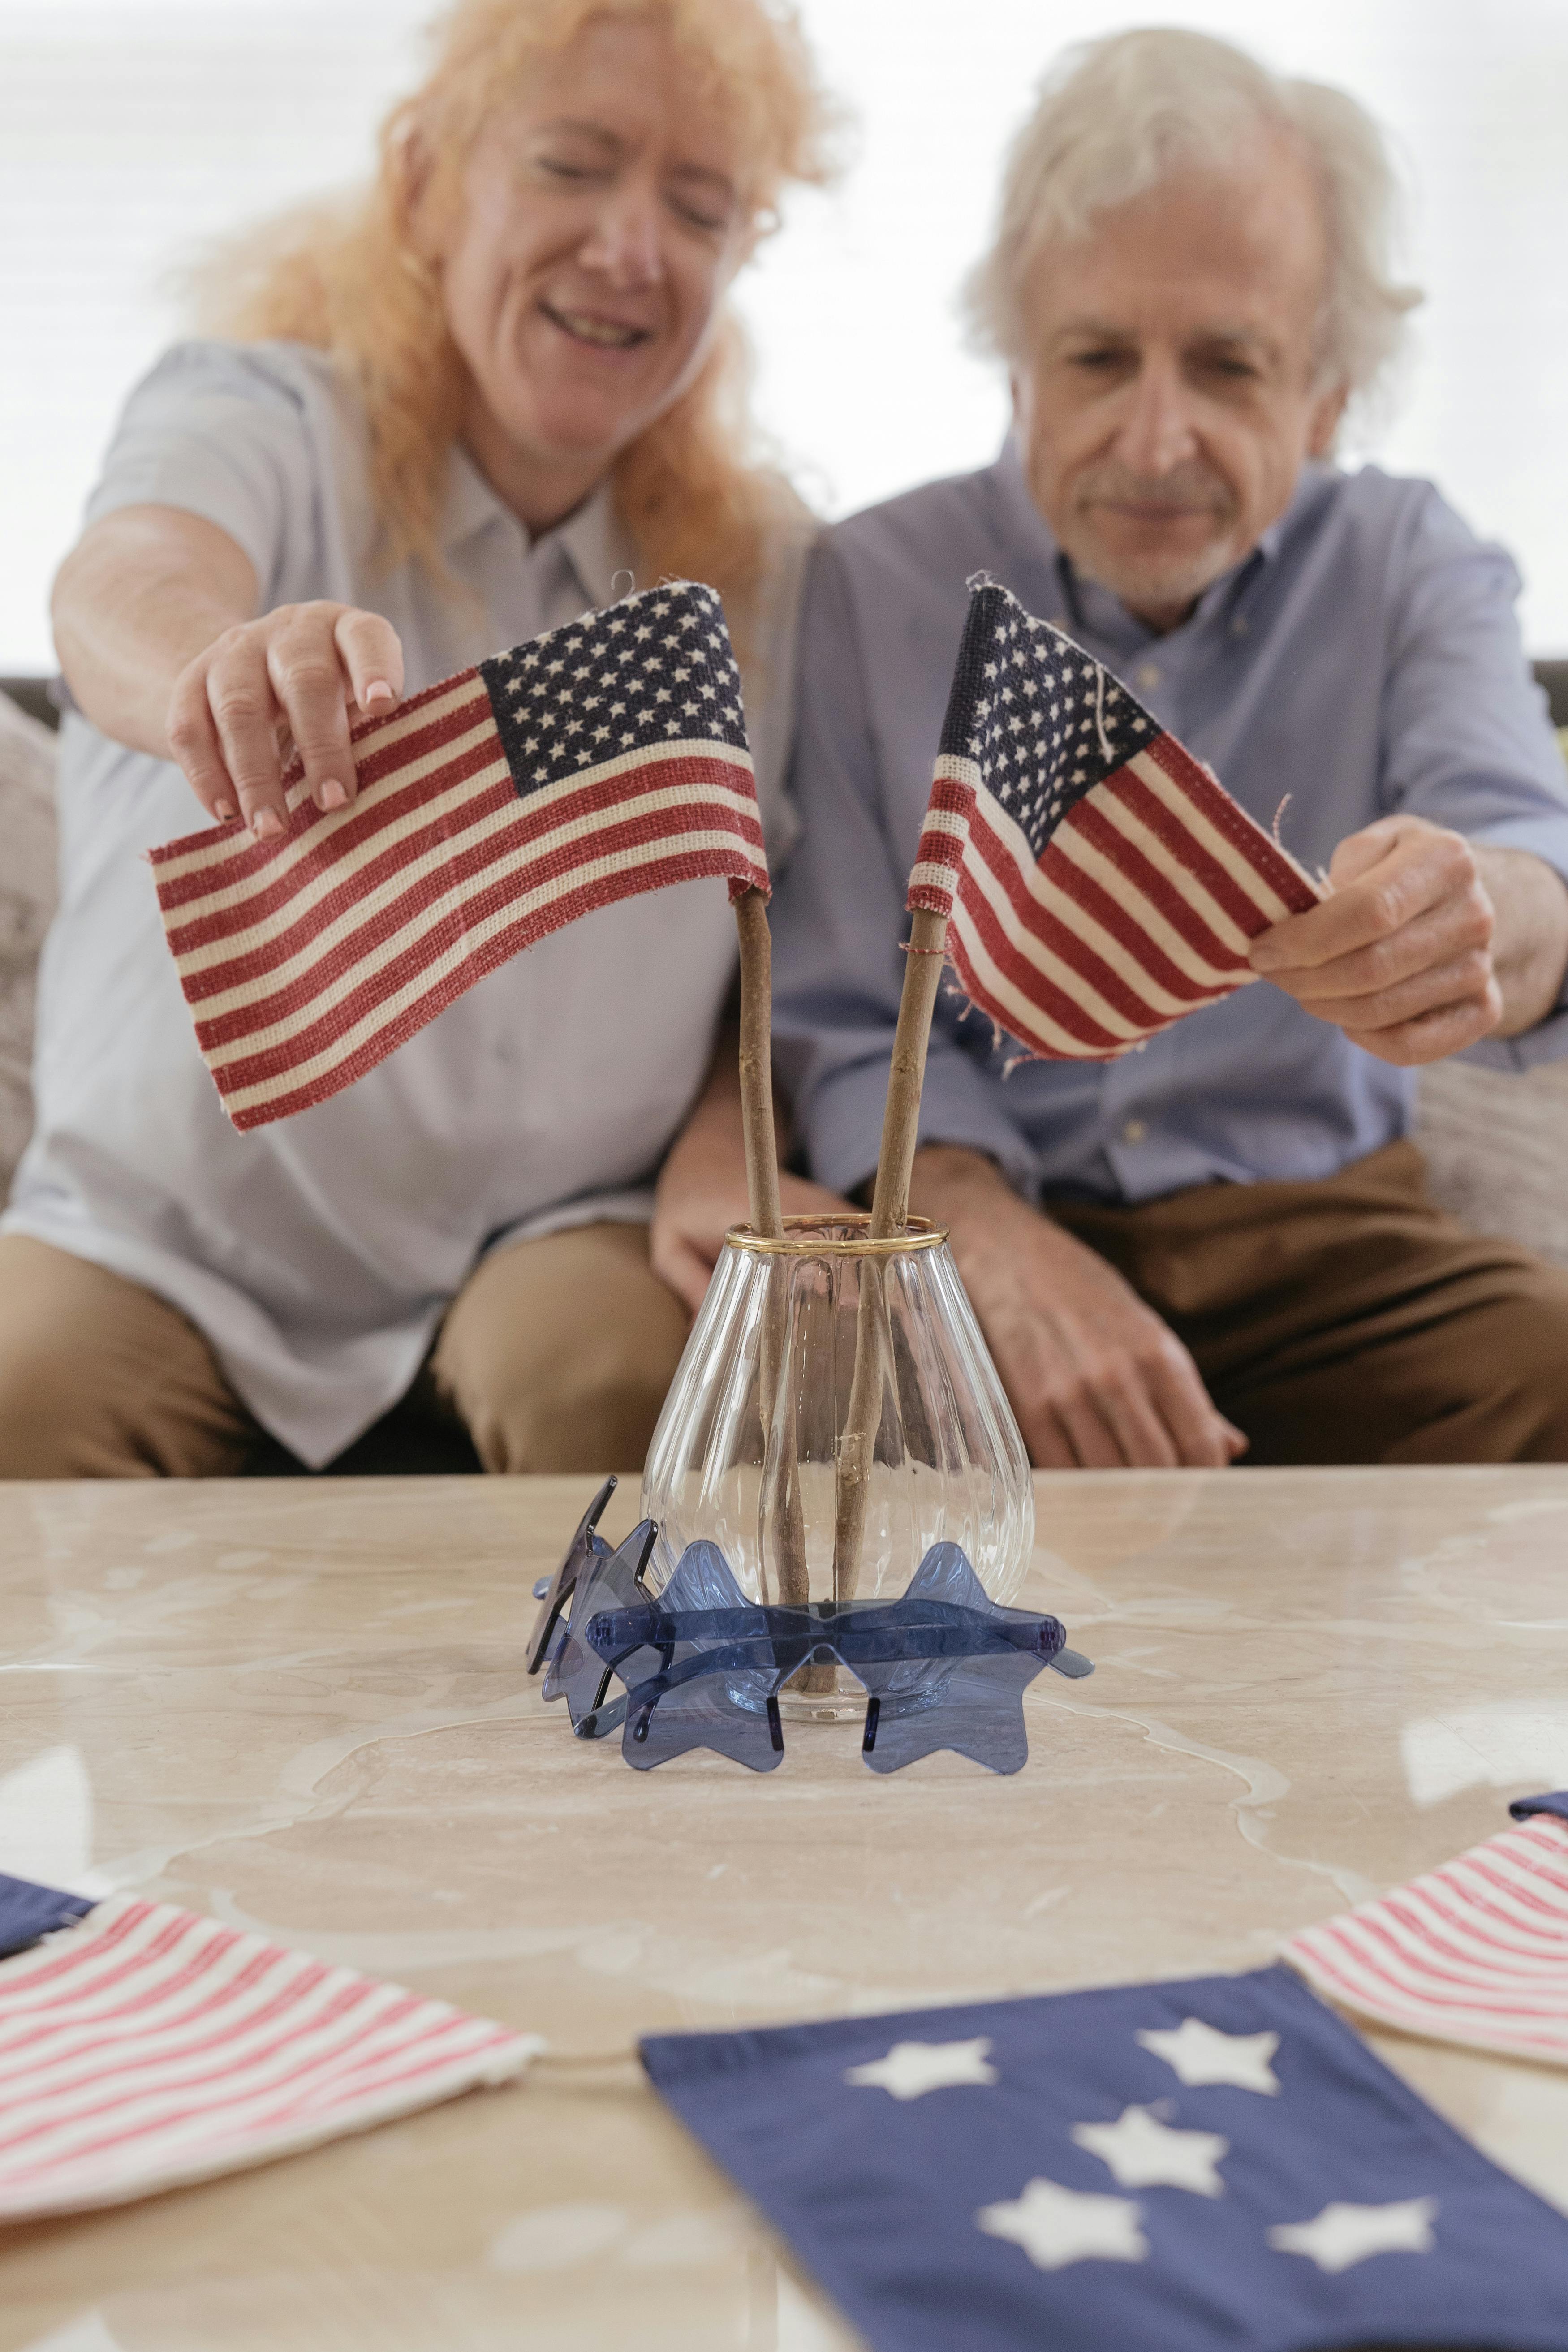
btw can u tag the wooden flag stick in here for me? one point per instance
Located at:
(927, 954)
(889, 1215)
(757, 1067)
(779, 1502)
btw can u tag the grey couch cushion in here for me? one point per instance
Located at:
(1496, 1147)
(27, 890)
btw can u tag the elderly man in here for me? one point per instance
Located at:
(1221, 1243)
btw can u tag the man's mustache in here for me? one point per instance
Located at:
(1179, 492)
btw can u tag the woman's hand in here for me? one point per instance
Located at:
(155, 614)
(297, 678)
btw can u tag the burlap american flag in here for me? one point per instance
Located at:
(1100, 884)
(597, 762)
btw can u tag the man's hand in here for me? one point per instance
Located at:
(1427, 943)
(1097, 1379)
(702, 1188)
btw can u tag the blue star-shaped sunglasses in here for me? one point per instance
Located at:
(702, 1667)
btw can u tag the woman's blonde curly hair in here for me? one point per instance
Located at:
(349, 279)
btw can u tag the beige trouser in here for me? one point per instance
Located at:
(555, 1356)
(1347, 1319)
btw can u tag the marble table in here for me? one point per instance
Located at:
(300, 1707)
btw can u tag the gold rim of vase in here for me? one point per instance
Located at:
(804, 1238)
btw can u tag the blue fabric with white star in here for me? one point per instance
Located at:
(1554, 1802)
(630, 678)
(30, 1912)
(1167, 2167)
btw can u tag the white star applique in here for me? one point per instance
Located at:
(1145, 2153)
(1200, 2053)
(1056, 2226)
(1344, 2234)
(912, 2068)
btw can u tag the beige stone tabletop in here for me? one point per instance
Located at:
(301, 1706)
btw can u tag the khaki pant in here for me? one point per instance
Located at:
(1340, 1320)
(1348, 1319)
(554, 1356)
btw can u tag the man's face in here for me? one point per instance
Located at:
(1168, 394)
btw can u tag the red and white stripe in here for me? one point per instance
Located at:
(1141, 909)
(145, 2046)
(307, 961)
(1475, 1952)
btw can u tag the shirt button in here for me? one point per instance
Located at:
(1238, 626)
(1134, 1131)
(1149, 674)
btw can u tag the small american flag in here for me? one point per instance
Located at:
(1475, 1952)
(1099, 883)
(602, 759)
(144, 2046)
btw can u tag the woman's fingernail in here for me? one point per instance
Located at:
(333, 795)
(225, 812)
(267, 824)
(377, 691)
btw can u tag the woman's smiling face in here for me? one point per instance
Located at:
(600, 221)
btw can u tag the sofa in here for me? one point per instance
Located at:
(27, 896)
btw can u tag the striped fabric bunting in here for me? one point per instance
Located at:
(143, 2047)
(1475, 1952)
(1100, 884)
(600, 760)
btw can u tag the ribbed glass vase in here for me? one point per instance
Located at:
(815, 1356)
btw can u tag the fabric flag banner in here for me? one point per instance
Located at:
(142, 2047)
(1167, 2167)
(1475, 1952)
(1555, 1801)
(29, 1913)
(1099, 882)
(602, 759)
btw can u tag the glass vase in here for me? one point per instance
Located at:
(835, 1414)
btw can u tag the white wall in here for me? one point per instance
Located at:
(131, 128)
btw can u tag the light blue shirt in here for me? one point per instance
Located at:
(318, 1254)
(1363, 659)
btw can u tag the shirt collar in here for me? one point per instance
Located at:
(596, 544)
(593, 541)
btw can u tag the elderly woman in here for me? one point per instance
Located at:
(444, 422)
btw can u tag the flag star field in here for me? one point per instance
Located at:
(630, 679)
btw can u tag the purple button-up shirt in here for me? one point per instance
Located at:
(1363, 659)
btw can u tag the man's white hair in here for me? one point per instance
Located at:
(1115, 117)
